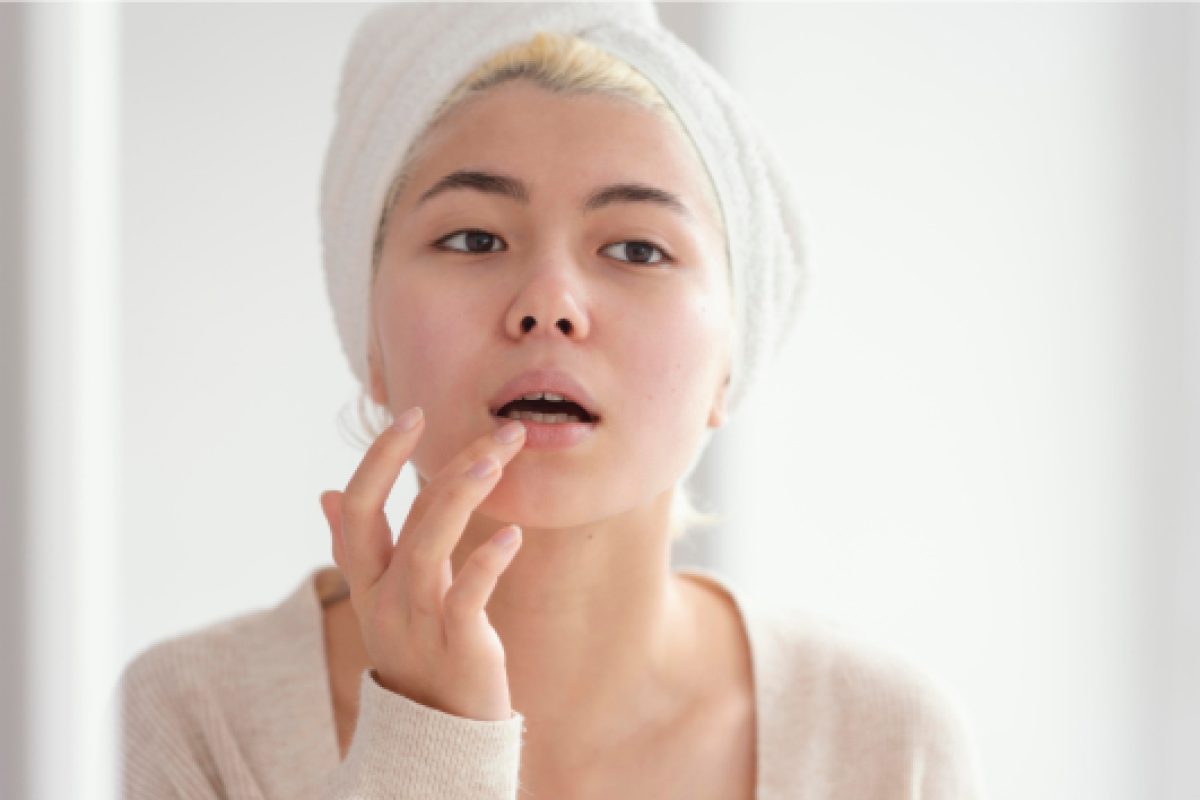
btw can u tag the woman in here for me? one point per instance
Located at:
(549, 281)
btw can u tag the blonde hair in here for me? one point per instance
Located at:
(562, 64)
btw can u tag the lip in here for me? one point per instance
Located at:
(546, 380)
(551, 435)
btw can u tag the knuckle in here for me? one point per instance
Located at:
(464, 490)
(423, 557)
(423, 604)
(487, 559)
(355, 506)
(483, 447)
(457, 608)
(459, 466)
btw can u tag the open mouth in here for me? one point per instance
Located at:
(546, 407)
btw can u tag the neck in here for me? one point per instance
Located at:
(598, 633)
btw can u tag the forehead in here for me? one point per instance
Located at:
(563, 145)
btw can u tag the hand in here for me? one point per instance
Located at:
(426, 632)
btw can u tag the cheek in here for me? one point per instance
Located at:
(666, 357)
(414, 334)
(430, 358)
(671, 359)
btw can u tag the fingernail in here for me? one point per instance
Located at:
(483, 467)
(510, 432)
(409, 419)
(506, 536)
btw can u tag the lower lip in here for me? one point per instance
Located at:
(551, 435)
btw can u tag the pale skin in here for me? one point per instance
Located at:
(634, 681)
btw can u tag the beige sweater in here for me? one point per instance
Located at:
(242, 709)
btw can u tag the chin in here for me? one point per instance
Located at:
(538, 506)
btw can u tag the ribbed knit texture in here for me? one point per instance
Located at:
(439, 755)
(242, 709)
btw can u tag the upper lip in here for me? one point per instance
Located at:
(544, 380)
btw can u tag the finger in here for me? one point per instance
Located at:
(331, 506)
(433, 539)
(366, 535)
(497, 444)
(503, 442)
(468, 596)
(424, 552)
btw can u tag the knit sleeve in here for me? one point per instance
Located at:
(946, 762)
(942, 761)
(402, 749)
(159, 758)
(870, 723)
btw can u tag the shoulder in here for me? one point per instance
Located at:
(184, 690)
(167, 701)
(208, 707)
(876, 717)
(221, 675)
(184, 665)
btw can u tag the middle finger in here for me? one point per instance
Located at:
(446, 502)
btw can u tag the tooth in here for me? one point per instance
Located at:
(558, 398)
(532, 396)
(535, 416)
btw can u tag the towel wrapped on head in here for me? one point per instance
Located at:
(406, 58)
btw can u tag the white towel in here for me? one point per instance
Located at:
(405, 58)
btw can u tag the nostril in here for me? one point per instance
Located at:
(529, 323)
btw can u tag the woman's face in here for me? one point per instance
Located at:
(649, 331)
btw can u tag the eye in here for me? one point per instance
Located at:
(475, 241)
(640, 252)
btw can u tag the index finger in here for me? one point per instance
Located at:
(366, 535)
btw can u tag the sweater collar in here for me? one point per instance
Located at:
(303, 610)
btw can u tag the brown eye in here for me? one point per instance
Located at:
(638, 252)
(475, 241)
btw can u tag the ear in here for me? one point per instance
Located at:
(719, 414)
(377, 387)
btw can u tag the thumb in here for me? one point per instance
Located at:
(331, 507)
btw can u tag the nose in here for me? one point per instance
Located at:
(548, 307)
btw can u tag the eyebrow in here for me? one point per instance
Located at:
(514, 188)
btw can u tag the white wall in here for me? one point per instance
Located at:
(971, 452)
(1178, 626)
(232, 371)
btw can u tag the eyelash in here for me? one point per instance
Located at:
(665, 256)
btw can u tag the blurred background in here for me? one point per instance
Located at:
(980, 448)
